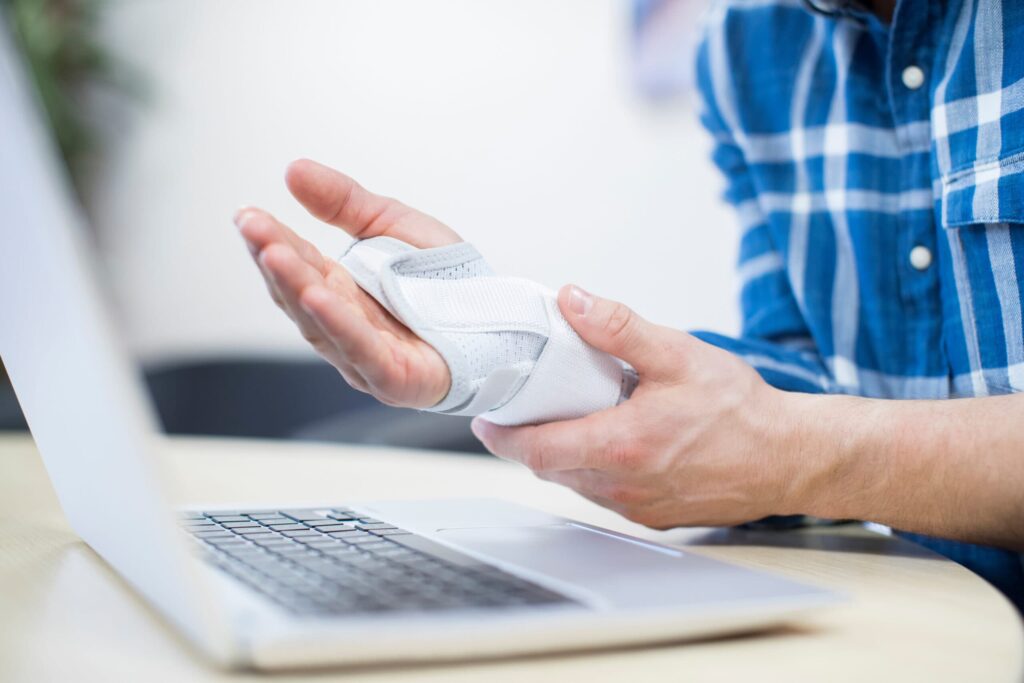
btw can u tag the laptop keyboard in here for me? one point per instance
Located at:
(341, 562)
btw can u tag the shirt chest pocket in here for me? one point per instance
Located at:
(982, 213)
(985, 193)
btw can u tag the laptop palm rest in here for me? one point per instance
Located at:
(619, 572)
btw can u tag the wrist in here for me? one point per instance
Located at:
(822, 445)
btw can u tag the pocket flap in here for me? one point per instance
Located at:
(990, 192)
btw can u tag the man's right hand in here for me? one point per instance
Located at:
(373, 351)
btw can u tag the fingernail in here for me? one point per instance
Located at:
(242, 216)
(580, 302)
(479, 427)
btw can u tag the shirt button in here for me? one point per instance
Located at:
(913, 77)
(920, 257)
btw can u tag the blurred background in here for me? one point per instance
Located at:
(561, 138)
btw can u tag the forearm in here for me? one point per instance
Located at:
(952, 468)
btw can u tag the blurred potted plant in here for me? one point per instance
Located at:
(60, 41)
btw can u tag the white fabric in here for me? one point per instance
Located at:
(512, 356)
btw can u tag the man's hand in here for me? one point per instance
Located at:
(372, 350)
(705, 441)
(700, 442)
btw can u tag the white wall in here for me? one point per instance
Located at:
(514, 122)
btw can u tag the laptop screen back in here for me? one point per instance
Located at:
(82, 398)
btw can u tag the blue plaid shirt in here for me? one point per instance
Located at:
(878, 173)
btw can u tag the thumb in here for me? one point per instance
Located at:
(614, 328)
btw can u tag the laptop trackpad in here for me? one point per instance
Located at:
(618, 571)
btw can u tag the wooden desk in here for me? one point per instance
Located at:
(64, 615)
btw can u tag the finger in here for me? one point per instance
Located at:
(584, 481)
(348, 372)
(260, 229)
(356, 340)
(618, 489)
(268, 280)
(290, 275)
(580, 483)
(566, 445)
(335, 198)
(330, 351)
(579, 487)
(656, 352)
(264, 233)
(390, 363)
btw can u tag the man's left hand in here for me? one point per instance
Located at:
(702, 441)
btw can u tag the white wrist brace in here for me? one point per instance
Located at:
(512, 356)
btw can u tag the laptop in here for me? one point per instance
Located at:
(275, 587)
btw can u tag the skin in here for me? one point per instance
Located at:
(374, 352)
(702, 441)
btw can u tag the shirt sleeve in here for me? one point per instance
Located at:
(775, 339)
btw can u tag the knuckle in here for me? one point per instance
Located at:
(315, 340)
(620, 321)
(621, 455)
(274, 296)
(359, 386)
(389, 396)
(543, 476)
(625, 495)
(641, 515)
(632, 513)
(275, 257)
(356, 384)
(536, 459)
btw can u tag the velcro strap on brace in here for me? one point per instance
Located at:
(512, 356)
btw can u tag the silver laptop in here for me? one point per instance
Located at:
(349, 583)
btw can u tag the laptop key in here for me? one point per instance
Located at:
(251, 530)
(375, 545)
(320, 522)
(358, 540)
(276, 519)
(317, 542)
(271, 540)
(301, 515)
(213, 534)
(296, 548)
(338, 549)
(230, 545)
(348, 533)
